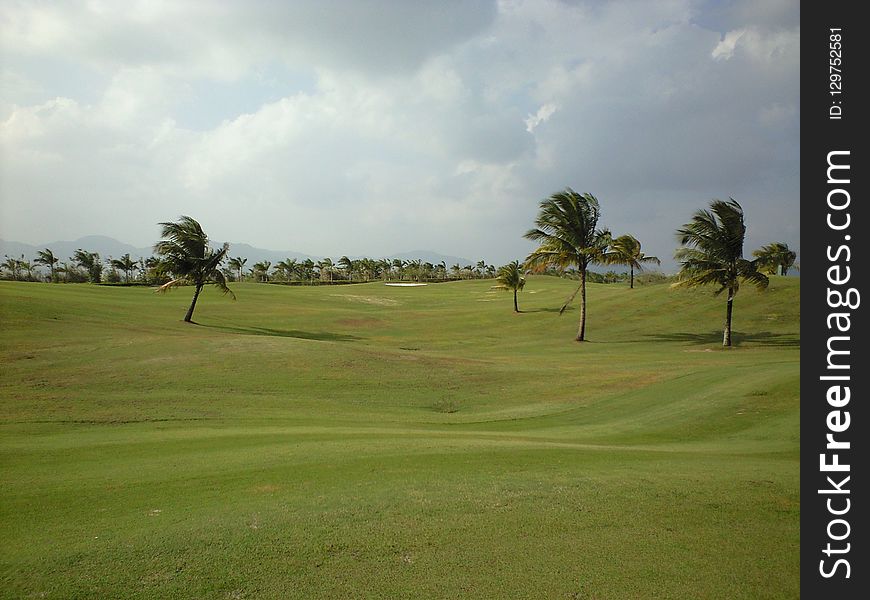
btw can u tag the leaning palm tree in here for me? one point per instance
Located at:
(90, 262)
(185, 249)
(712, 252)
(47, 258)
(567, 229)
(625, 250)
(775, 258)
(346, 265)
(510, 277)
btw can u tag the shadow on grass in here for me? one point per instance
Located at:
(290, 333)
(547, 310)
(761, 338)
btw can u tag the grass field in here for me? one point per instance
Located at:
(374, 442)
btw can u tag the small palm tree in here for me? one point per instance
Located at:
(325, 268)
(712, 252)
(238, 265)
(46, 257)
(346, 265)
(510, 277)
(775, 258)
(90, 262)
(287, 267)
(261, 271)
(126, 264)
(12, 265)
(567, 229)
(625, 250)
(185, 249)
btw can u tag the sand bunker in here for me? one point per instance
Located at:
(406, 284)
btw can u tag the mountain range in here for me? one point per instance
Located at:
(110, 247)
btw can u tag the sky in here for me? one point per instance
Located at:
(371, 127)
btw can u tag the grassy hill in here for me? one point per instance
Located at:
(375, 442)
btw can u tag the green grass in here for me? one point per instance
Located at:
(374, 442)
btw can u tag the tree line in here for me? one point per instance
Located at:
(86, 266)
(566, 230)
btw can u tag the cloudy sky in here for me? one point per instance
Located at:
(370, 127)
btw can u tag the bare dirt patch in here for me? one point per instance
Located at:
(367, 299)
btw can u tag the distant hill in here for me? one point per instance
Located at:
(107, 247)
(101, 244)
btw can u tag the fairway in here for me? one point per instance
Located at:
(369, 441)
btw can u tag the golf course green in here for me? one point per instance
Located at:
(368, 441)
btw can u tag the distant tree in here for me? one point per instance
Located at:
(306, 270)
(238, 264)
(346, 265)
(510, 278)
(775, 258)
(286, 268)
(12, 265)
(47, 258)
(567, 230)
(156, 271)
(625, 250)
(398, 266)
(712, 253)
(25, 266)
(261, 271)
(125, 264)
(185, 249)
(325, 268)
(112, 275)
(90, 262)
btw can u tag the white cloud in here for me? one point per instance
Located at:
(410, 127)
(725, 49)
(544, 113)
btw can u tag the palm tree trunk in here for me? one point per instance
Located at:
(631, 285)
(726, 338)
(516, 308)
(581, 332)
(189, 314)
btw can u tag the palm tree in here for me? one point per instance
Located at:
(155, 270)
(567, 231)
(346, 265)
(261, 271)
(510, 277)
(12, 265)
(625, 250)
(190, 258)
(307, 269)
(287, 267)
(90, 262)
(46, 257)
(25, 265)
(325, 268)
(126, 264)
(238, 264)
(775, 258)
(712, 252)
